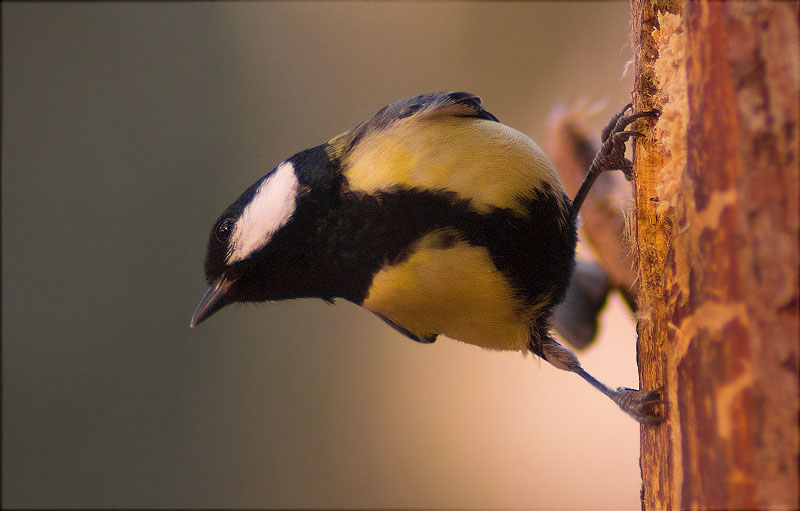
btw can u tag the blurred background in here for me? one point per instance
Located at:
(127, 128)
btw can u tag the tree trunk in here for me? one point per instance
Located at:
(717, 246)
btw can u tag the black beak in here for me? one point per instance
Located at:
(212, 301)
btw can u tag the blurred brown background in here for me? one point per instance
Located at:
(128, 128)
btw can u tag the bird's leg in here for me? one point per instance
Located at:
(641, 405)
(611, 155)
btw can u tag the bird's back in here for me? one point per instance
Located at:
(451, 147)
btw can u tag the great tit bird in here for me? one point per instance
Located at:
(434, 216)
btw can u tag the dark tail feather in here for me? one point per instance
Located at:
(576, 317)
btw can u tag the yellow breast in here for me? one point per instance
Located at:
(485, 161)
(451, 290)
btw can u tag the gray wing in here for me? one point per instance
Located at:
(439, 104)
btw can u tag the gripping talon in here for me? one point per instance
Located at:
(643, 405)
(612, 124)
(625, 120)
(611, 155)
(629, 134)
(646, 406)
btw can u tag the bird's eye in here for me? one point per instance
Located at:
(223, 230)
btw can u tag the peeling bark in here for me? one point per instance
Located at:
(717, 247)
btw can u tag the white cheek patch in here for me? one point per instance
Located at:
(271, 207)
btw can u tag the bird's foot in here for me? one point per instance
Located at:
(611, 155)
(646, 406)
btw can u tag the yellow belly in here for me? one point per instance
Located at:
(454, 291)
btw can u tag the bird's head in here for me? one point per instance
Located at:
(267, 245)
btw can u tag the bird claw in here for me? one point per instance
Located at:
(643, 405)
(611, 155)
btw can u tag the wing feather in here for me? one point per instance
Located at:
(429, 106)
